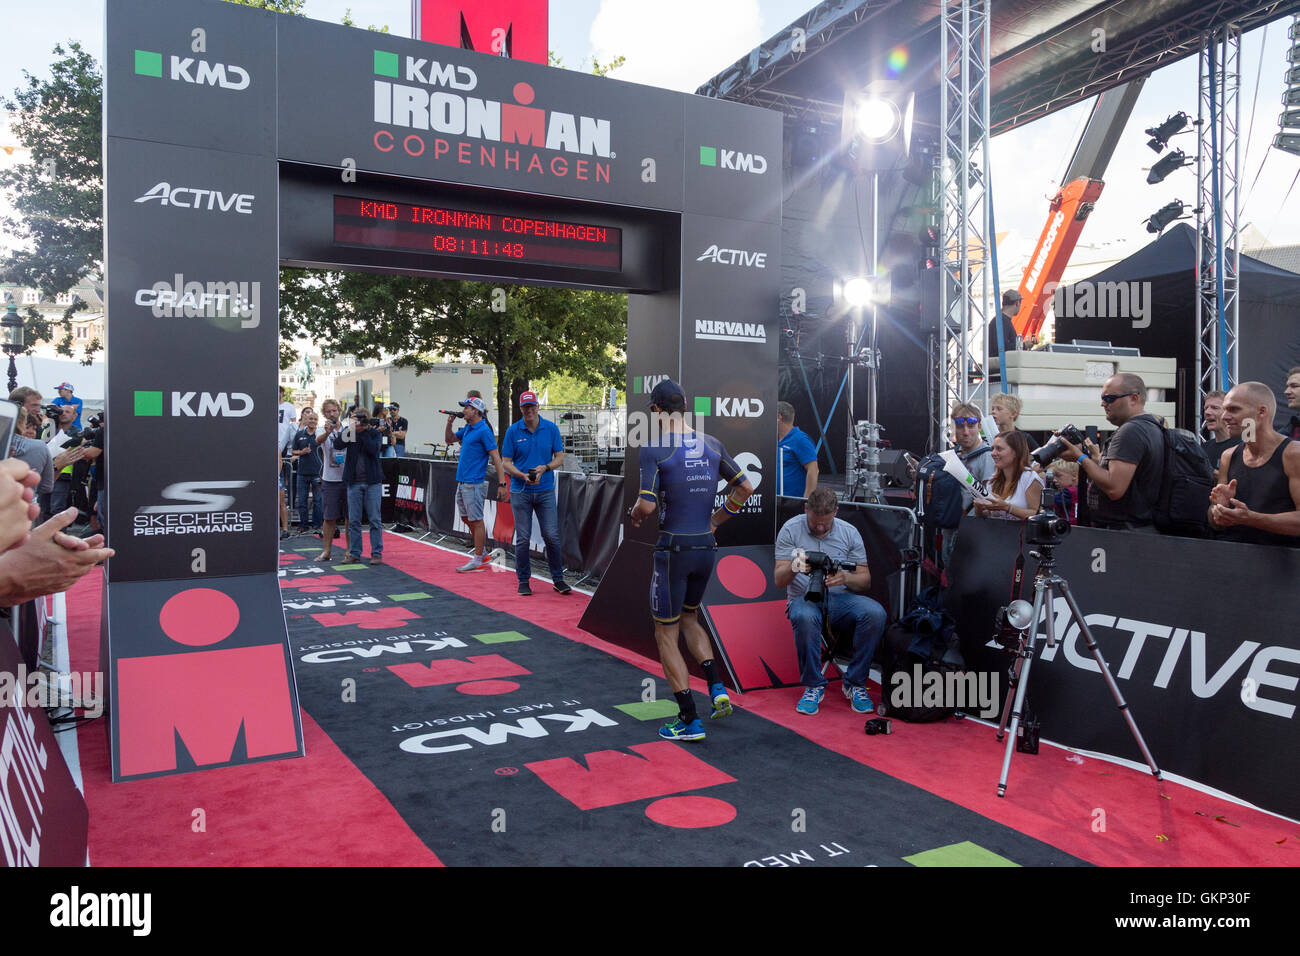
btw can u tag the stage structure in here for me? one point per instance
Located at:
(1218, 174)
(238, 140)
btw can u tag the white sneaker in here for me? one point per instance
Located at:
(474, 564)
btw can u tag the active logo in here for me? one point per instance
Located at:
(192, 70)
(209, 405)
(734, 257)
(190, 197)
(211, 300)
(733, 159)
(726, 407)
(194, 507)
(720, 331)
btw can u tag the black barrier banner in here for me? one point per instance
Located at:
(43, 817)
(406, 492)
(1199, 635)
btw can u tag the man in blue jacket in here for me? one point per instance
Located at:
(364, 478)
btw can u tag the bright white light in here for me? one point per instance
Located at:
(858, 291)
(877, 120)
(1020, 614)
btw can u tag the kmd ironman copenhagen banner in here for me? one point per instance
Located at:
(196, 644)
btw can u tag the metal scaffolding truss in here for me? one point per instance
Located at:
(963, 203)
(1087, 73)
(1217, 177)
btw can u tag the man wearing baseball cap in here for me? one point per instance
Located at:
(400, 426)
(478, 447)
(680, 470)
(65, 398)
(531, 450)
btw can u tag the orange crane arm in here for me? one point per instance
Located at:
(1068, 212)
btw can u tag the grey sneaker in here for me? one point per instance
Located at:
(475, 562)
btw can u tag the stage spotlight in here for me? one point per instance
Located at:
(1160, 135)
(876, 120)
(1163, 216)
(1175, 160)
(859, 291)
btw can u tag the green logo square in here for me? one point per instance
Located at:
(385, 64)
(148, 64)
(702, 404)
(636, 385)
(708, 156)
(149, 403)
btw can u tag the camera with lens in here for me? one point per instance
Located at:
(1052, 449)
(54, 412)
(820, 565)
(1046, 527)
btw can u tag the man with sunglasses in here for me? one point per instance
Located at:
(975, 454)
(1124, 486)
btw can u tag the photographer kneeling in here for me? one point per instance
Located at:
(808, 547)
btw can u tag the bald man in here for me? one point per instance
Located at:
(1257, 496)
(1124, 486)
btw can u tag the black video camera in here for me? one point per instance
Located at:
(819, 566)
(1045, 454)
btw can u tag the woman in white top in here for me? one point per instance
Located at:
(1014, 489)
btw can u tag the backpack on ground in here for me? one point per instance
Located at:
(923, 638)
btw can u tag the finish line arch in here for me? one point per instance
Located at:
(237, 140)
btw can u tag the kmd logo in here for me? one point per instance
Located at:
(731, 159)
(196, 508)
(188, 197)
(734, 257)
(210, 405)
(730, 407)
(192, 70)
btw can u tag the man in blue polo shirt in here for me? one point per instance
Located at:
(798, 455)
(477, 448)
(531, 450)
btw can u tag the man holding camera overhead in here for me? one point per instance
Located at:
(808, 546)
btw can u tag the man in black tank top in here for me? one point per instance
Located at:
(1257, 498)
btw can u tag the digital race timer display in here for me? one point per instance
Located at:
(475, 234)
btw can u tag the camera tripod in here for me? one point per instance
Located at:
(1047, 583)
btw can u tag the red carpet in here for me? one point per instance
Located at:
(320, 810)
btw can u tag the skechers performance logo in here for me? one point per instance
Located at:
(194, 404)
(196, 507)
(730, 331)
(190, 69)
(734, 257)
(211, 300)
(733, 159)
(189, 197)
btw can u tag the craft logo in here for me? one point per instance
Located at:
(734, 257)
(404, 100)
(194, 405)
(720, 331)
(190, 197)
(194, 507)
(732, 159)
(192, 70)
(213, 300)
(722, 407)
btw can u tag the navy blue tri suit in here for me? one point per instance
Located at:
(680, 474)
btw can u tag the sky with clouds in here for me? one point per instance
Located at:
(678, 44)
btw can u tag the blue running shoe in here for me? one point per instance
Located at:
(858, 699)
(811, 701)
(721, 702)
(680, 730)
